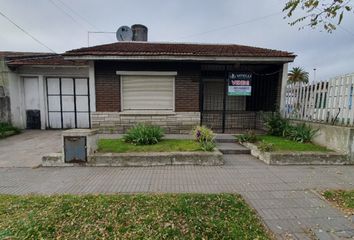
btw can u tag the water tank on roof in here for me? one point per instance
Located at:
(140, 32)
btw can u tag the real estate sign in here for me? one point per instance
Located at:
(239, 84)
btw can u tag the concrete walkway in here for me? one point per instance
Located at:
(282, 195)
(26, 149)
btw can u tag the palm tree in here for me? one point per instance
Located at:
(297, 74)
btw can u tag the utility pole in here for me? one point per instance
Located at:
(314, 75)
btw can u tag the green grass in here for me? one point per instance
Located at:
(168, 145)
(165, 216)
(7, 129)
(283, 144)
(343, 199)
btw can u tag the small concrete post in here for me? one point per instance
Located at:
(91, 139)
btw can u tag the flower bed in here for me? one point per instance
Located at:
(168, 145)
(298, 157)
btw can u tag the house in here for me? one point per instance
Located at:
(174, 85)
(5, 115)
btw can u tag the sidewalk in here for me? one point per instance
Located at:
(282, 195)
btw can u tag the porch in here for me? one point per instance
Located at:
(227, 112)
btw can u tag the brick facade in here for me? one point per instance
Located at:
(187, 91)
(187, 97)
(108, 84)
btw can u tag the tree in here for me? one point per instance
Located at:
(326, 13)
(297, 74)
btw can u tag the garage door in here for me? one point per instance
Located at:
(68, 102)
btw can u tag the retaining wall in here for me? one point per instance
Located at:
(118, 122)
(337, 138)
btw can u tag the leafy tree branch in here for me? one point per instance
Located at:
(327, 14)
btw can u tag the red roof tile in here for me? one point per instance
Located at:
(176, 49)
(10, 54)
(51, 59)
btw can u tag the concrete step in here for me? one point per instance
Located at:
(232, 148)
(225, 138)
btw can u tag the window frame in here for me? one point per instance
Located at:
(142, 74)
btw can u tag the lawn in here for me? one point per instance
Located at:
(165, 216)
(283, 144)
(168, 145)
(343, 199)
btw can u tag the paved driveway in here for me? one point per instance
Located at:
(26, 149)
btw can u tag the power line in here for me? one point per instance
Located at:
(233, 25)
(23, 30)
(67, 14)
(97, 32)
(345, 30)
(77, 14)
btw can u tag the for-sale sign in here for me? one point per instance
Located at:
(239, 84)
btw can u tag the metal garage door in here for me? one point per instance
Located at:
(147, 92)
(68, 101)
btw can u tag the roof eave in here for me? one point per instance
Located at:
(182, 58)
(48, 65)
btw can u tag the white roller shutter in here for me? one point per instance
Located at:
(147, 93)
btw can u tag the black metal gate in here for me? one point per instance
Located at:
(224, 113)
(232, 114)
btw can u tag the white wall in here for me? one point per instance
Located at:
(15, 90)
(284, 81)
(17, 94)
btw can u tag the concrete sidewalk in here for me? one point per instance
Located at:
(282, 195)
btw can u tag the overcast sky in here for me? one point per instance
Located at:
(63, 25)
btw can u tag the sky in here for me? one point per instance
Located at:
(64, 25)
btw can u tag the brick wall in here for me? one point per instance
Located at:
(187, 91)
(107, 92)
(108, 83)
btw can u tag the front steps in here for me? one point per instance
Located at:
(227, 145)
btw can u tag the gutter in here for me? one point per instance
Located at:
(183, 58)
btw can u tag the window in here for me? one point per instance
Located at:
(153, 92)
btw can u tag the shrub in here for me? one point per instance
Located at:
(203, 134)
(301, 133)
(142, 134)
(275, 124)
(266, 147)
(207, 146)
(249, 136)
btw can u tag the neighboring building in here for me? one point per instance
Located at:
(174, 85)
(5, 74)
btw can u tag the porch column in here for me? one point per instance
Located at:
(284, 80)
(92, 86)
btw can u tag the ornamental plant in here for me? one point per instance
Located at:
(250, 136)
(203, 134)
(142, 134)
(205, 137)
(276, 125)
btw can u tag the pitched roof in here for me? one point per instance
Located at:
(176, 49)
(44, 60)
(10, 54)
